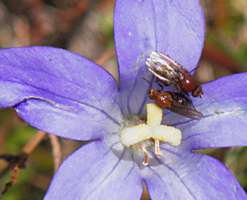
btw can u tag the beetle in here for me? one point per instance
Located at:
(169, 72)
(176, 102)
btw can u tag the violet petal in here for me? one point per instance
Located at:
(59, 92)
(94, 172)
(175, 28)
(224, 106)
(192, 177)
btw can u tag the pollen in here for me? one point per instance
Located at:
(152, 130)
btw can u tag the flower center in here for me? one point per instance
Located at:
(152, 132)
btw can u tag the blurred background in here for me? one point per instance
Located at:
(85, 26)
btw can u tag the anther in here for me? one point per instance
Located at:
(146, 158)
(157, 147)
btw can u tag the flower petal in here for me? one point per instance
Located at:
(224, 107)
(59, 92)
(191, 177)
(175, 28)
(94, 172)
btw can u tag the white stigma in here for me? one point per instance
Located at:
(153, 129)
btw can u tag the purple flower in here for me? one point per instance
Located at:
(65, 94)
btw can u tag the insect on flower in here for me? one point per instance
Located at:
(168, 72)
(130, 143)
(176, 102)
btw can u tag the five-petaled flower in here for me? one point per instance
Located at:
(65, 94)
